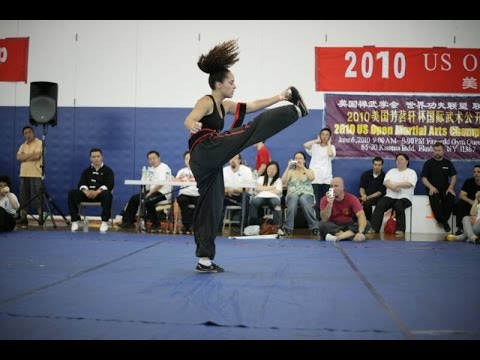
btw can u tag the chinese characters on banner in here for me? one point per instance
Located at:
(389, 69)
(14, 59)
(369, 126)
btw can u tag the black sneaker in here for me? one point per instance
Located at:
(446, 227)
(155, 229)
(287, 233)
(214, 268)
(296, 99)
(459, 231)
(315, 233)
(22, 221)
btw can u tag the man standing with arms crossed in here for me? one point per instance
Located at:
(30, 156)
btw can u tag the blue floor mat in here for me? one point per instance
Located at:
(63, 285)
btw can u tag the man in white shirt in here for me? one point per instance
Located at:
(234, 175)
(158, 171)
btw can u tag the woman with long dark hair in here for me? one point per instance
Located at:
(269, 191)
(210, 148)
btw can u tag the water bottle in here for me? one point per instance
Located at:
(255, 175)
(85, 224)
(150, 174)
(144, 173)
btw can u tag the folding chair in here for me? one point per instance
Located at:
(81, 212)
(228, 218)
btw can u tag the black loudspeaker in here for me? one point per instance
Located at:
(43, 103)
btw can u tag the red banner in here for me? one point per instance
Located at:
(381, 69)
(368, 125)
(13, 59)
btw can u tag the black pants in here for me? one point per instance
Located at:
(75, 197)
(187, 213)
(385, 203)
(442, 206)
(207, 160)
(150, 205)
(319, 190)
(330, 227)
(368, 205)
(7, 221)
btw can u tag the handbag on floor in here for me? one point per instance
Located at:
(268, 228)
(390, 225)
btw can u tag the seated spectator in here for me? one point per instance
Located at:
(300, 191)
(234, 175)
(471, 224)
(467, 196)
(342, 215)
(154, 194)
(8, 205)
(400, 183)
(439, 177)
(96, 184)
(187, 195)
(371, 186)
(269, 189)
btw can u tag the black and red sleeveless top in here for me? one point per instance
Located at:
(212, 123)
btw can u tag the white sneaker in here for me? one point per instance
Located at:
(330, 237)
(104, 227)
(472, 239)
(74, 225)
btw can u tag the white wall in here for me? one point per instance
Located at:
(129, 63)
(420, 219)
(423, 220)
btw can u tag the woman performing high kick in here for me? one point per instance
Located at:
(210, 148)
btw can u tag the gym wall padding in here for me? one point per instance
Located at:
(7, 142)
(126, 134)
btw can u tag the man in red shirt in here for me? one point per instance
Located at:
(262, 159)
(342, 215)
